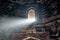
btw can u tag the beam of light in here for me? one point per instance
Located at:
(16, 23)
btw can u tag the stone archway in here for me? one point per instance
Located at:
(31, 38)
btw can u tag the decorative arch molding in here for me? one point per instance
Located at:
(31, 38)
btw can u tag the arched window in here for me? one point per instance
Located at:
(31, 14)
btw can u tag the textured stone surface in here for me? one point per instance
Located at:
(41, 36)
